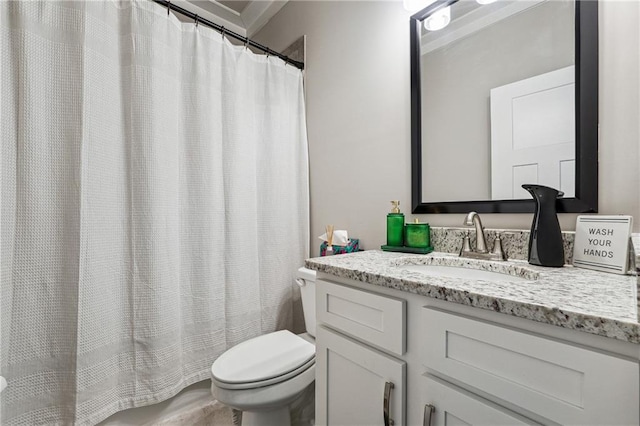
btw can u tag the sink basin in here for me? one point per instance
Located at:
(467, 273)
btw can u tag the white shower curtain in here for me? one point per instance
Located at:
(154, 204)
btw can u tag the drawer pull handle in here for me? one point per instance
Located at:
(428, 413)
(385, 404)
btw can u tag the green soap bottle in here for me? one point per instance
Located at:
(395, 226)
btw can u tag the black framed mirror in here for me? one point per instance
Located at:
(579, 173)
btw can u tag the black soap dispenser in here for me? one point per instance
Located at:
(545, 242)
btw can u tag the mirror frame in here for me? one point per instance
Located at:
(586, 104)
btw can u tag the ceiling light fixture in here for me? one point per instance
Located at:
(439, 19)
(416, 5)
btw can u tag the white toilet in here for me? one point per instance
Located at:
(263, 375)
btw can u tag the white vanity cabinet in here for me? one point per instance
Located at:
(473, 366)
(357, 383)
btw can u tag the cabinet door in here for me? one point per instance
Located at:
(456, 407)
(350, 382)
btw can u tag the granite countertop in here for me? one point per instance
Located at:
(589, 301)
(635, 243)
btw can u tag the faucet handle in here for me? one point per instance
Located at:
(497, 247)
(466, 243)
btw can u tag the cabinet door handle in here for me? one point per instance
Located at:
(385, 404)
(428, 413)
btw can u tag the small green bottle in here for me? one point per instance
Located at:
(395, 226)
(417, 235)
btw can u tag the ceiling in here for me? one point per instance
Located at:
(241, 16)
(236, 5)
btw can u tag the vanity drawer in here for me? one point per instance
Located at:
(368, 317)
(561, 382)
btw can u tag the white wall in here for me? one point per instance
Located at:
(357, 85)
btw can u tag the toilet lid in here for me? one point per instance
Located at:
(263, 358)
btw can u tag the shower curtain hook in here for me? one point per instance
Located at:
(246, 41)
(196, 21)
(222, 32)
(168, 7)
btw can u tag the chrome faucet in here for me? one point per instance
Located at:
(473, 219)
(481, 252)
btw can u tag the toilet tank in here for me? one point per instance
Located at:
(306, 279)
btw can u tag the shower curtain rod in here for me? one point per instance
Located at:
(226, 32)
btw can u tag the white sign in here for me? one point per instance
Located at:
(602, 243)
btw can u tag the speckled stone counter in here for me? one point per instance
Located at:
(635, 259)
(635, 245)
(514, 242)
(574, 298)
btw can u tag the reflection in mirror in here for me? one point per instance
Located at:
(493, 103)
(498, 104)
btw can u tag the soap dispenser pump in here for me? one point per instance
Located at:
(395, 226)
(545, 242)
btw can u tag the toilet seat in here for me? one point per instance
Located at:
(263, 361)
(268, 382)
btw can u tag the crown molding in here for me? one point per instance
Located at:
(258, 13)
(250, 21)
(215, 12)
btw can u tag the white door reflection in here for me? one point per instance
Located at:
(533, 134)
